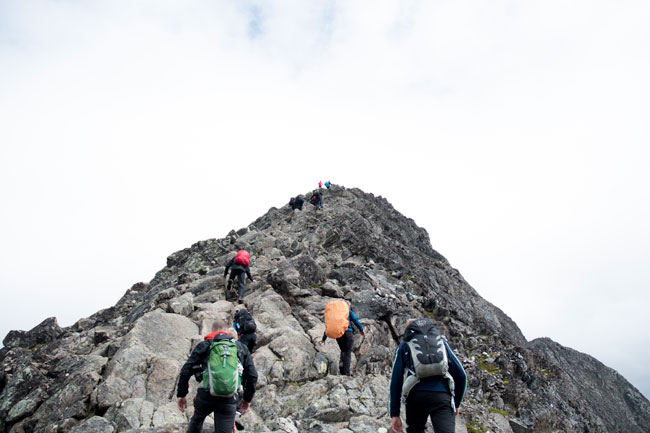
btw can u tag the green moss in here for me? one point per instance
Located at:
(35, 348)
(499, 411)
(314, 286)
(475, 427)
(409, 277)
(487, 366)
(547, 373)
(506, 381)
(430, 314)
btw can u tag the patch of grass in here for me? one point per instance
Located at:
(314, 286)
(430, 314)
(475, 427)
(499, 411)
(487, 366)
(409, 277)
(35, 348)
(547, 373)
(506, 381)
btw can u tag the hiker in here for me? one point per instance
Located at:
(220, 357)
(338, 324)
(328, 184)
(297, 202)
(240, 269)
(245, 327)
(433, 389)
(320, 184)
(317, 199)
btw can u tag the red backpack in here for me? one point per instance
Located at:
(242, 258)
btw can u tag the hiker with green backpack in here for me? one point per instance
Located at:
(228, 375)
(434, 383)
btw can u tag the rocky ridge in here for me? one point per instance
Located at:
(116, 370)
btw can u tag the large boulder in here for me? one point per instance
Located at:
(152, 353)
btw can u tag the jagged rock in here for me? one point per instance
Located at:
(182, 305)
(132, 413)
(123, 362)
(47, 331)
(111, 391)
(167, 415)
(95, 424)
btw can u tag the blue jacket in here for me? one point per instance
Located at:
(352, 318)
(403, 360)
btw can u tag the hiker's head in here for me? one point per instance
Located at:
(220, 324)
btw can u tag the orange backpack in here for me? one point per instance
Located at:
(336, 318)
(242, 258)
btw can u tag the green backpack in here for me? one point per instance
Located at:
(222, 377)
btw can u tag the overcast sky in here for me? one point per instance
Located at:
(515, 132)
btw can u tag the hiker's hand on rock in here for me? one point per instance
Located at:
(243, 406)
(182, 404)
(457, 412)
(396, 424)
(321, 342)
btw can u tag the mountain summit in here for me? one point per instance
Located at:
(116, 371)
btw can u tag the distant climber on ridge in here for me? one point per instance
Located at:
(338, 324)
(240, 269)
(296, 202)
(245, 326)
(320, 184)
(317, 199)
(434, 385)
(328, 184)
(228, 384)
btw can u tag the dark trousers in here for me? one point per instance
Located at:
(249, 341)
(421, 405)
(224, 412)
(241, 280)
(346, 341)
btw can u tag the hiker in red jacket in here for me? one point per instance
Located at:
(239, 268)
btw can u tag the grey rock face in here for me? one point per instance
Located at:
(45, 332)
(116, 371)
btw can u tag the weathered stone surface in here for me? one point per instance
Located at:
(45, 332)
(95, 424)
(167, 415)
(183, 305)
(158, 339)
(111, 391)
(132, 413)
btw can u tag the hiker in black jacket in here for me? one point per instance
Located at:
(437, 397)
(297, 202)
(240, 272)
(245, 326)
(224, 408)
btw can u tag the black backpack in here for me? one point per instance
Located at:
(245, 321)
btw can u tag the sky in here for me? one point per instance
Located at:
(515, 132)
